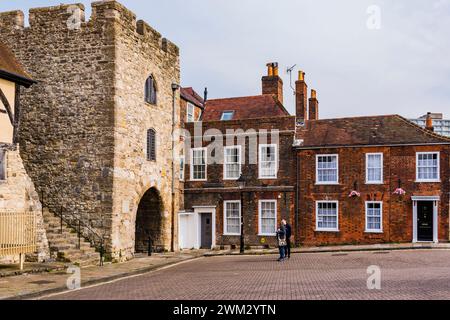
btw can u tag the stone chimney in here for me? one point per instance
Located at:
(429, 122)
(301, 98)
(313, 106)
(272, 83)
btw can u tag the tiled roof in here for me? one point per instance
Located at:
(190, 95)
(244, 108)
(360, 131)
(11, 69)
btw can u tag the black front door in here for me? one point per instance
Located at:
(206, 231)
(425, 221)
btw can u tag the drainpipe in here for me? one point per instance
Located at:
(175, 87)
(296, 202)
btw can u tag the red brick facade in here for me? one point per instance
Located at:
(399, 164)
(215, 190)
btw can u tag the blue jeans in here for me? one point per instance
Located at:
(282, 251)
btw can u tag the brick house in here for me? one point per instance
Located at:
(369, 179)
(252, 136)
(191, 105)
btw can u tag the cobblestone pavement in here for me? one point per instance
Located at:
(413, 274)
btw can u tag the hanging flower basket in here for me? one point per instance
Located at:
(400, 192)
(354, 194)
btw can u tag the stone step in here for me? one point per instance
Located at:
(64, 245)
(77, 255)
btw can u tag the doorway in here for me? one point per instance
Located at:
(206, 230)
(425, 220)
(149, 219)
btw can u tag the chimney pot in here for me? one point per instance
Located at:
(301, 98)
(313, 106)
(269, 69)
(301, 76)
(272, 83)
(429, 122)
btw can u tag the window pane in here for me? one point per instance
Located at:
(327, 215)
(198, 164)
(268, 161)
(232, 163)
(427, 166)
(327, 169)
(373, 216)
(233, 220)
(268, 217)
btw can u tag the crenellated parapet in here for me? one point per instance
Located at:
(11, 21)
(72, 17)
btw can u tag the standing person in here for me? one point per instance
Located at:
(281, 238)
(288, 229)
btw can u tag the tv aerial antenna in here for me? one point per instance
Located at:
(289, 71)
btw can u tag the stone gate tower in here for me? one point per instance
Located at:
(96, 129)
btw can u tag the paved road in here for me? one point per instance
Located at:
(415, 274)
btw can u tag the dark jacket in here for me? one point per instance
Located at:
(288, 231)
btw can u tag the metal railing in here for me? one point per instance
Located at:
(83, 230)
(17, 234)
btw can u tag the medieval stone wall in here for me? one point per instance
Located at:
(83, 126)
(142, 52)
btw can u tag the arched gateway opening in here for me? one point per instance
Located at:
(149, 221)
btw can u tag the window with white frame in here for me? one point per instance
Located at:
(227, 115)
(267, 217)
(268, 161)
(374, 216)
(327, 171)
(427, 166)
(327, 216)
(232, 218)
(198, 164)
(2, 165)
(181, 167)
(374, 168)
(232, 162)
(190, 115)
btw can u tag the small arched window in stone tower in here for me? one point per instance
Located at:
(150, 90)
(151, 145)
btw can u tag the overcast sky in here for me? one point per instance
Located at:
(402, 67)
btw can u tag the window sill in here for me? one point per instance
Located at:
(267, 235)
(327, 183)
(327, 230)
(151, 104)
(200, 180)
(374, 183)
(267, 178)
(428, 181)
(230, 179)
(374, 231)
(231, 234)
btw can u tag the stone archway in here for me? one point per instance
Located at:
(149, 220)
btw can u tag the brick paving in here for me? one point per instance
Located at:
(411, 274)
(30, 285)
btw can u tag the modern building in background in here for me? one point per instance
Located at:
(441, 125)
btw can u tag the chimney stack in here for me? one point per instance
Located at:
(429, 122)
(272, 83)
(301, 97)
(313, 106)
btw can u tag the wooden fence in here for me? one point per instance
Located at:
(17, 234)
